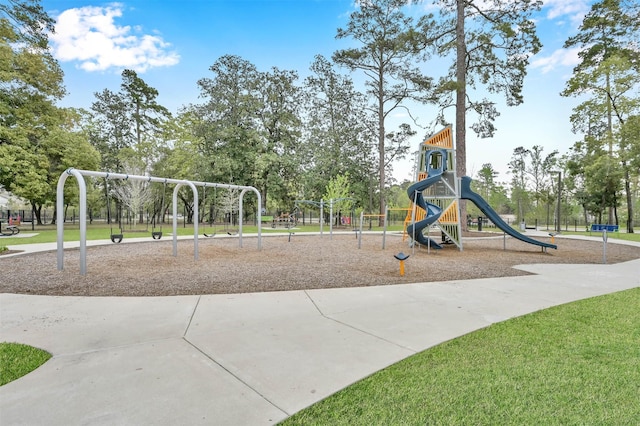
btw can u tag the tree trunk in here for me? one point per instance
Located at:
(381, 135)
(627, 189)
(37, 211)
(461, 105)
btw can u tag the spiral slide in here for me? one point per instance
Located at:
(468, 194)
(433, 212)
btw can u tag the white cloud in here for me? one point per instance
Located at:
(574, 10)
(90, 36)
(560, 57)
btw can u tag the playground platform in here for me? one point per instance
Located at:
(256, 358)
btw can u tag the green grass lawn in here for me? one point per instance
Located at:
(17, 360)
(573, 364)
(48, 233)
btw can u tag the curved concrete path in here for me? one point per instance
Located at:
(252, 359)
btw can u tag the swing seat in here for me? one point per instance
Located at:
(209, 235)
(116, 238)
(156, 235)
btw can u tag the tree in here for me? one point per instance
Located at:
(278, 114)
(490, 43)
(539, 171)
(608, 73)
(249, 128)
(630, 157)
(134, 194)
(339, 192)
(147, 116)
(387, 56)
(65, 146)
(30, 83)
(225, 124)
(486, 180)
(518, 166)
(110, 128)
(38, 141)
(130, 118)
(338, 134)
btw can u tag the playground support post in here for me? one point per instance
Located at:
(384, 229)
(79, 175)
(321, 216)
(82, 187)
(413, 220)
(243, 190)
(195, 217)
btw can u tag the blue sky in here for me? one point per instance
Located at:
(172, 43)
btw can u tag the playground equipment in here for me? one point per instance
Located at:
(317, 204)
(435, 197)
(401, 257)
(118, 237)
(320, 205)
(384, 229)
(115, 238)
(211, 217)
(156, 235)
(80, 174)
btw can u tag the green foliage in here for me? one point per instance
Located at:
(17, 360)
(37, 139)
(339, 190)
(337, 137)
(608, 75)
(387, 48)
(131, 118)
(572, 364)
(480, 37)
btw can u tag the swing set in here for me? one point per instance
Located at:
(79, 176)
(213, 214)
(118, 237)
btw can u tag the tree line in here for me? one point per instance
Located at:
(291, 137)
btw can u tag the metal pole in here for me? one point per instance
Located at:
(240, 217)
(413, 221)
(559, 201)
(321, 215)
(82, 189)
(360, 233)
(59, 224)
(174, 201)
(331, 219)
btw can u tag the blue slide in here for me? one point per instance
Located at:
(468, 194)
(433, 211)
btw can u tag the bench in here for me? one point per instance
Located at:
(286, 220)
(596, 227)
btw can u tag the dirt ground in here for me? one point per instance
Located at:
(304, 262)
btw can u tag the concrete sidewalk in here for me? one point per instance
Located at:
(251, 359)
